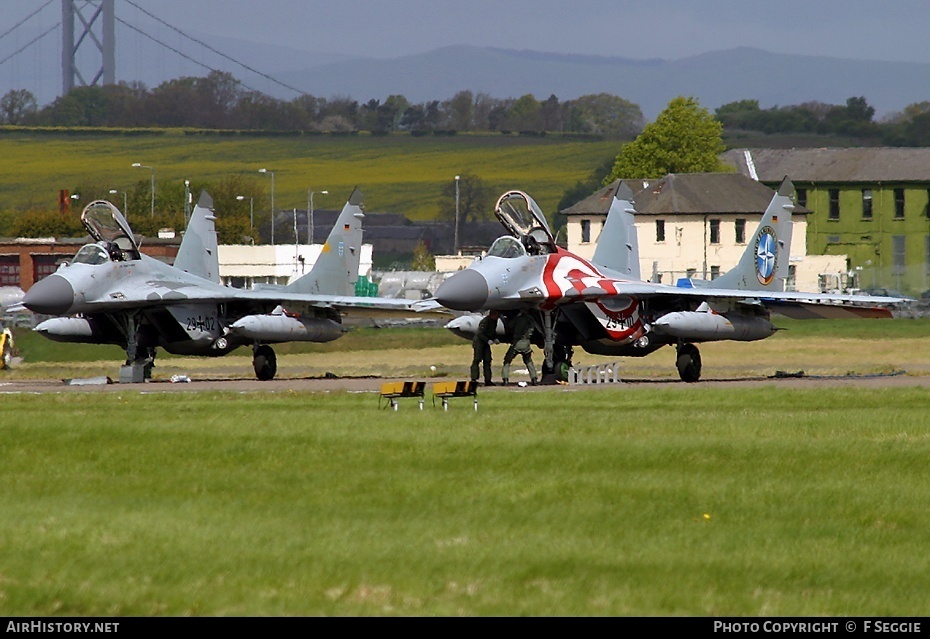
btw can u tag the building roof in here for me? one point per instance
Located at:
(686, 194)
(598, 203)
(859, 164)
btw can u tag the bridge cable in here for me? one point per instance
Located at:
(204, 44)
(180, 53)
(20, 23)
(29, 44)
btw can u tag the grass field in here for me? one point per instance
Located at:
(641, 500)
(401, 174)
(603, 502)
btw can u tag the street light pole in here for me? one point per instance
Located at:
(455, 248)
(152, 169)
(272, 201)
(296, 243)
(310, 214)
(187, 202)
(251, 216)
(125, 212)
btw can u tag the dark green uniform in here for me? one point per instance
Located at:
(481, 343)
(522, 334)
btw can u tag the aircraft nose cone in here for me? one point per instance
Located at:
(50, 296)
(465, 291)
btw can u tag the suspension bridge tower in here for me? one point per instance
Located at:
(96, 29)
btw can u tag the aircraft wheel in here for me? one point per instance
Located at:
(689, 363)
(265, 363)
(563, 362)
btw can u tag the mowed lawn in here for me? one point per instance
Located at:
(657, 499)
(638, 500)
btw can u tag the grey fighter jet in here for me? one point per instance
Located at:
(111, 293)
(605, 307)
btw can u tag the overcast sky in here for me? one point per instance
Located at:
(897, 30)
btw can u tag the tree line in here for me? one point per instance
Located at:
(218, 101)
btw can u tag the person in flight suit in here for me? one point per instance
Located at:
(481, 343)
(522, 333)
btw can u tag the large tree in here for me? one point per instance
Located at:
(475, 203)
(460, 111)
(608, 114)
(685, 138)
(16, 106)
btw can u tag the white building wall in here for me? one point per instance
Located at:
(574, 236)
(449, 263)
(244, 265)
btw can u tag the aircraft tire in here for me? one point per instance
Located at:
(689, 363)
(265, 363)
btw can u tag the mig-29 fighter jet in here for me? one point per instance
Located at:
(603, 305)
(111, 293)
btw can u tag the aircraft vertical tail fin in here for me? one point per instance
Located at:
(336, 269)
(764, 264)
(618, 245)
(198, 251)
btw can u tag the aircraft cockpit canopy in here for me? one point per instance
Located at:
(108, 226)
(91, 254)
(520, 214)
(507, 247)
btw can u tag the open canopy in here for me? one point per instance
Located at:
(520, 214)
(106, 224)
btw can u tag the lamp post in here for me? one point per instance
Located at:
(125, 212)
(152, 169)
(187, 202)
(251, 215)
(296, 243)
(264, 171)
(455, 248)
(310, 214)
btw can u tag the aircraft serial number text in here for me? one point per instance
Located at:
(199, 323)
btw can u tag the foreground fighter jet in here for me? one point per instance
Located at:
(112, 293)
(603, 306)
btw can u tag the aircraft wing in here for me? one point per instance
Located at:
(344, 304)
(788, 303)
(169, 293)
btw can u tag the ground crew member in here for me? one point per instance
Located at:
(481, 343)
(522, 333)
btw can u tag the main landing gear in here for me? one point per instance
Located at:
(688, 363)
(557, 358)
(264, 362)
(139, 359)
(562, 362)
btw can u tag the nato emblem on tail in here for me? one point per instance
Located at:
(766, 252)
(764, 264)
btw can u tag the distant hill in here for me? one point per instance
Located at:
(714, 78)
